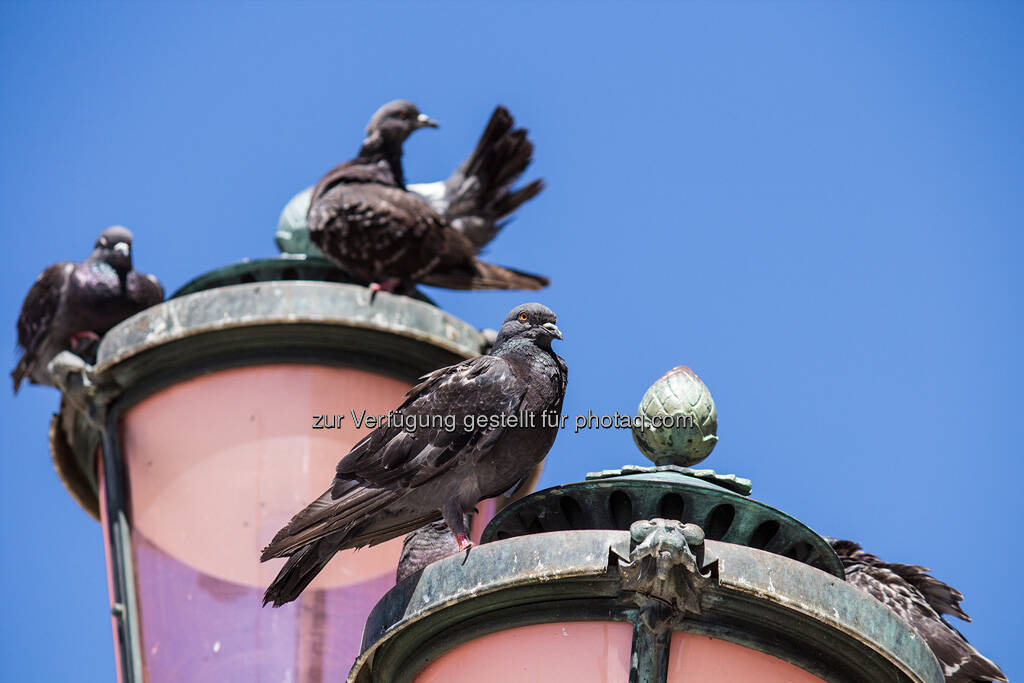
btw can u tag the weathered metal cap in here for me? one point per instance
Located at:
(678, 420)
(217, 325)
(285, 267)
(661, 577)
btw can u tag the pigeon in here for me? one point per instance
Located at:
(428, 544)
(365, 220)
(435, 541)
(478, 195)
(72, 304)
(919, 599)
(466, 432)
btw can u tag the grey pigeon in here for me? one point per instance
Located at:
(364, 219)
(919, 599)
(72, 304)
(435, 541)
(479, 429)
(429, 543)
(478, 196)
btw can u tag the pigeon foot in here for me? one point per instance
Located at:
(388, 285)
(83, 337)
(463, 541)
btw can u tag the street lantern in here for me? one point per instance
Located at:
(643, 574)
(220, 413)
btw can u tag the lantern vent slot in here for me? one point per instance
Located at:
(621, 508)
(799, 551)
(572, 512)
(763, 534)
(719, 522)
(671, 506)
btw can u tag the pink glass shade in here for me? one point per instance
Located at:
(695, 658)
(215, 466)
(560, 652)
(599, 652)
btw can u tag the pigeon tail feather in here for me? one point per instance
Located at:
(332, 514)
(508, 203)
(485, 276)
(478, 194)
(301, 568)
(21, 371)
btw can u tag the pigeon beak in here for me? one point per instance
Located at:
(553, 329)
(122, 249)
(424, 121)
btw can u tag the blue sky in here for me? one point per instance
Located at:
(816, 206)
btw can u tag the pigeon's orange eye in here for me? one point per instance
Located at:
(403, 115)
(523, 317)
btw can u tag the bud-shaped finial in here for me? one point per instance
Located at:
(679, 420)
(292, 235)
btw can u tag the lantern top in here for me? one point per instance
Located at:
(736, 594)
(240, 313)
(284, 267)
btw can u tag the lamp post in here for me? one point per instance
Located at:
(210, 419)
(643, 574)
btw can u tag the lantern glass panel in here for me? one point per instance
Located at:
(695, 658)
(594, 651)
(215, 466)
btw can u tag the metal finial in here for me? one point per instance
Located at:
(292, 235)
(679, 419)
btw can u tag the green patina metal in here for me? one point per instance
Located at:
(294, 318)
(740, 485)
(616, 499)
(282, 268)
(265, 270)
(292, 235)
(756, 599)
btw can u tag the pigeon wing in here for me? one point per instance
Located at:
(392, 455)
(377, 230)
(391, 460)
(942, 597)
(919, 599)
(37, 315)
(144, 290)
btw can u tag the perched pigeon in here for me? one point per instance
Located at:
(71, 305)
(429, 543)
(479, 429)
(919, 599)
(478, 195)
(363, 218)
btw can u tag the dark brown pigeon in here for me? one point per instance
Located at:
(429, 543)
(920, 599)
(72, 304)
(398, 478)
(435, 541)
(364, 219)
